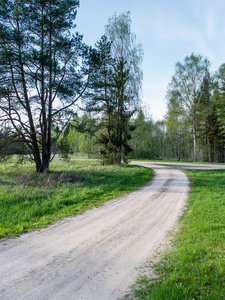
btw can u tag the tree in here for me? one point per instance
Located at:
(99, 93)
(5, 144)
(174, 124)
(218, 99)
(42, 76)
(219, 94)
(207, 118)
(185, 89)
(127, 80)
(139, 136)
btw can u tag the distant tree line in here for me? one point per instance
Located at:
(196, 110)
(193, 128)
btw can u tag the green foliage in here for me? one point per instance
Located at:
(5, 145)
(195, 110)
(43, 67)
(148, 138)
(29, 200)
(80, 137)
(195, 267)
(114, 89)
(185, 90)
(101, 101)
(11, 144)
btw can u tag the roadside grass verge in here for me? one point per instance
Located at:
(29, 200)
(194, 268)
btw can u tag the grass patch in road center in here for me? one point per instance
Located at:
(195, 267)
(29, 200)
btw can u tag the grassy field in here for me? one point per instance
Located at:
(29, 200)
(195, 266)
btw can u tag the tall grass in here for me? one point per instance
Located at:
(195, 267)
(29, 200)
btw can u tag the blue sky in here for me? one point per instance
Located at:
(168, 30)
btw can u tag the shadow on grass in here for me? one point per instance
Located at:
(30, 200)
(56, 178)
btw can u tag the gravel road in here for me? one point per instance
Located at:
(96, 255)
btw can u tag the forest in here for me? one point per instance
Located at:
(59, 95)
(192, 129)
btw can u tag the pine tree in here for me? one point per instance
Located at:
(41, 74)
(99, 98)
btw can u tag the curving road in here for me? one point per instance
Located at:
(96, 255)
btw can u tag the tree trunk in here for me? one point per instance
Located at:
(210, 150)
(178, 145)
(195, 142)
(210, 144)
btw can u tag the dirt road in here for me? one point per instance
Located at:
(96, 255)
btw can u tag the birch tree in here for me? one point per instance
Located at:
(127, 80)
(186, 89)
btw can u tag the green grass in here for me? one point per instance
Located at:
(195, 266)
(29, 200)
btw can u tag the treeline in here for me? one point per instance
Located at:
(47, 73)
(83, 137)
(194, 126)
(196, 118)
(192, 130)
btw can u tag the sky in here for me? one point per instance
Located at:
(168, 30)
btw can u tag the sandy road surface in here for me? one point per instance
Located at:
(96, 255)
